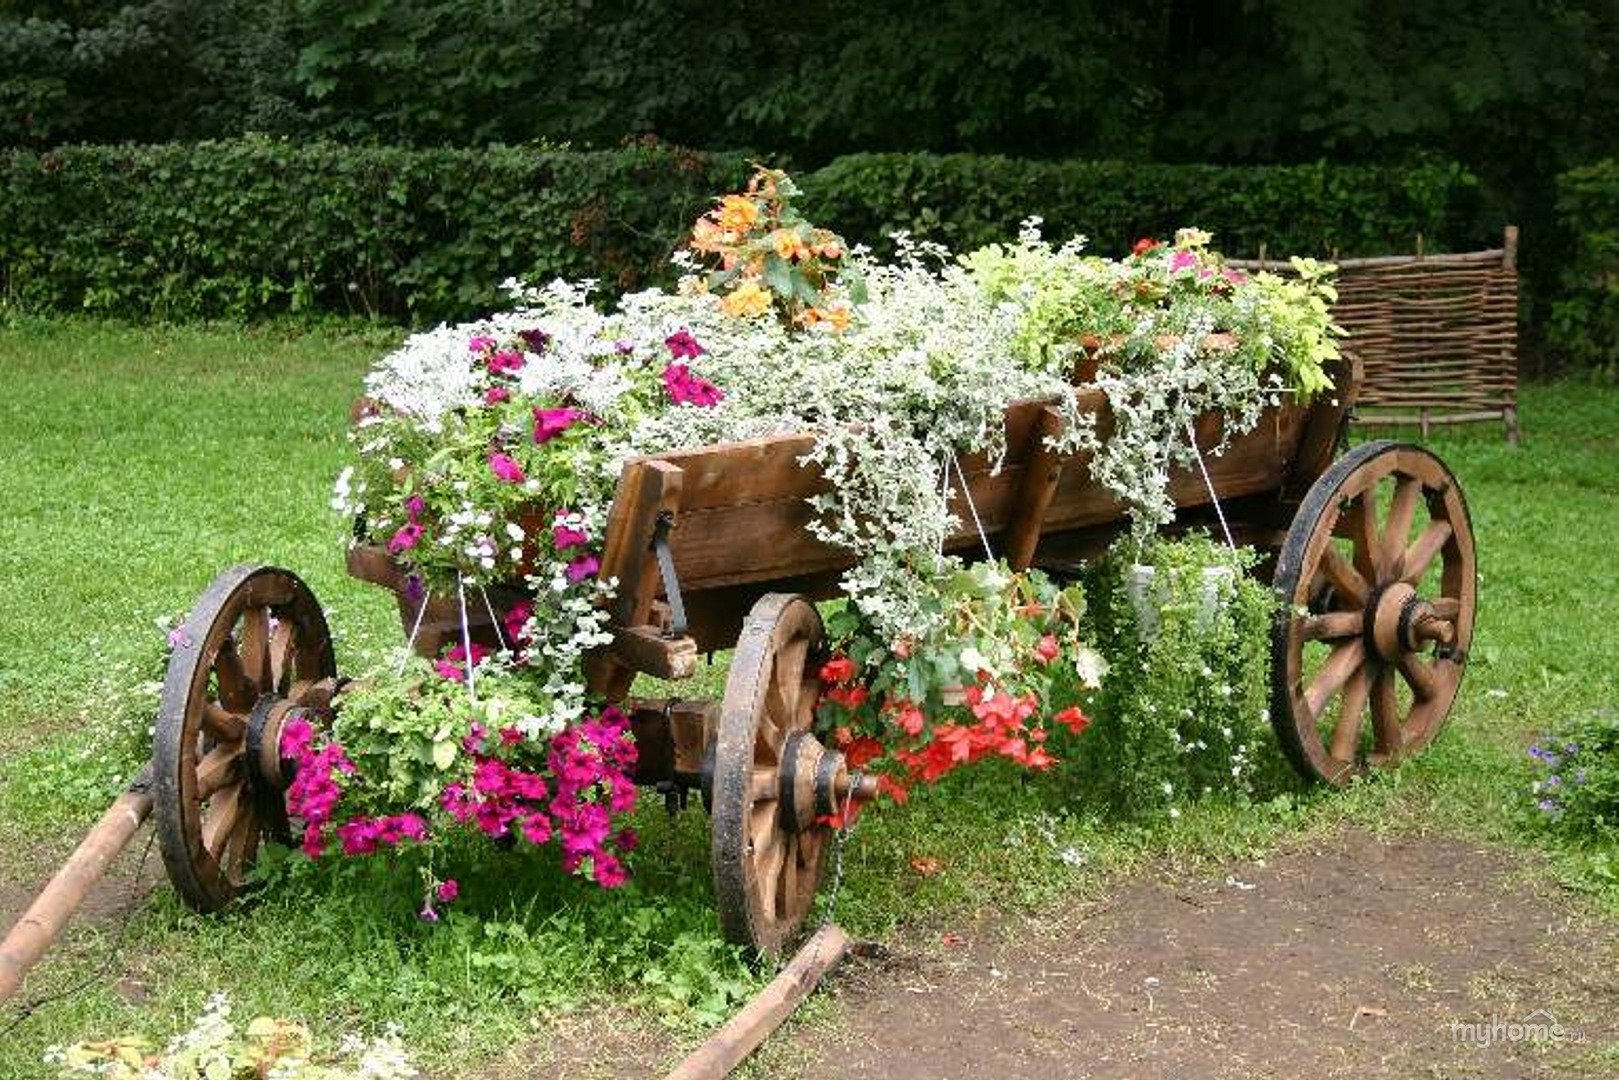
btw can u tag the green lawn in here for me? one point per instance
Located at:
(139, 462)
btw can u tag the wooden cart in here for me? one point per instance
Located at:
(1372, 557)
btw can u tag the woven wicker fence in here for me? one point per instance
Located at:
(1437, 334)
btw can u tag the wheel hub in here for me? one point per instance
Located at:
(266, 769)
(816, 782)
(1402, 622)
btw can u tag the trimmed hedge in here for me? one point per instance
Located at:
(965, 201)
(1585, 316)
(257, 227)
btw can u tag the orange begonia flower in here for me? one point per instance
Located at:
(738, 213)
(748, 300)
(789, 245)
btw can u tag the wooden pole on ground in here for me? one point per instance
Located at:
(743, 1033)
(42, 923)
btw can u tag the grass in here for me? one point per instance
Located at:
(142, 461)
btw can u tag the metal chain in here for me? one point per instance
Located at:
(841, 835)
(24, 1011)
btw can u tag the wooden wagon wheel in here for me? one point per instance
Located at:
(253, 653)
(770, 777)
(1377, 578)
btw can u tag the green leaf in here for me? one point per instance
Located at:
(444, 754)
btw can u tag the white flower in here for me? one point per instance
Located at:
(1090, 665)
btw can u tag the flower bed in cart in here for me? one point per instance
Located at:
(488, 454)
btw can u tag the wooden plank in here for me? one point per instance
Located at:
(742, 1034)
(645, 649)
(646, 488)
(1037, 487)
(1318, 441)
(46, 917)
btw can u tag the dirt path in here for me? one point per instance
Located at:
(1361, 957)
(1354, 956)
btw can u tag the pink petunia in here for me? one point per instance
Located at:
(516, 618)
(495, 395)
(406, 538)
(549, 423)
(506, 468)
(609, 872)
(1182, 260)
(585, 566)
(480, 345)
(684, 388)
(682, 346)
(448, 891)
(453, 664)
(505, 362)
(536, 828)
(565, 536)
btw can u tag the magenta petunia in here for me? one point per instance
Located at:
(452, 665)
(480, 344)
(448, 891)
(682, 346)
(506, 468)
(505, 362)
(549, 423)
(565, 536)
(407, 537)
(684, 388)
(536, 828)
(585, 566)
(609, 872)
(516, 618)
(495, 395)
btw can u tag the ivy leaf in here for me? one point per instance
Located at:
(443, 754)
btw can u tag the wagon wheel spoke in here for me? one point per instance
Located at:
(225, 811)
(1418, 676)
(1361, 521)
(1386, 726)
(241, 846)
(224, 725)
(235, 692)
(1446, 608)
(763, 785)
(282, 655)
(1420, 555)
(1345, 660)
(219, 766)
(256, 649)
(1402, 510)
(787, 892)
(1343, 577)
(1351, 710)
(1333, 625)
